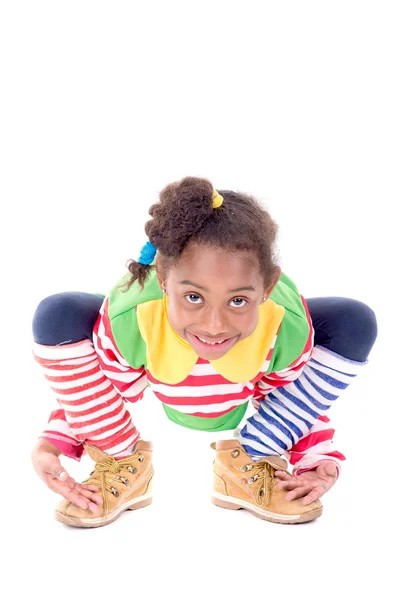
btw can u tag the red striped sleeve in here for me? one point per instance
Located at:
(93, 410)
(56, 434)
(315, 448)
(312, 439)
(129, 382)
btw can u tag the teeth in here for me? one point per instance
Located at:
(210, 343)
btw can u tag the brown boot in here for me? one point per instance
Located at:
(124, 484)
(240, 482)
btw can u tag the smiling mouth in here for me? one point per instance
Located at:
(212, 343)
(215, 346)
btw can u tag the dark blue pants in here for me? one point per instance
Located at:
(345, 326)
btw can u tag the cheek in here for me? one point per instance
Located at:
(176, 314)
(250, 322)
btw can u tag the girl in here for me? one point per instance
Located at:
(207, 318)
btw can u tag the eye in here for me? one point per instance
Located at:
(194, 299)
(238, 302)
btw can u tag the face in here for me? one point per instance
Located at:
(213, 298)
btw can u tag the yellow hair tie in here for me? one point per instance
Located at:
(217, 199)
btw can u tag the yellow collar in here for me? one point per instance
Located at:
(170, 358)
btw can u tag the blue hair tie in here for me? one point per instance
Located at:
(147, 254)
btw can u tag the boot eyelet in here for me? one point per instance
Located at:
(262, 492)
(246, 468)
(254, 478)
(132, 469)
(114, 492)
(124, 480)
(235, 453)
(141, 458)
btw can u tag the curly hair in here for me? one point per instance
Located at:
(185, 214)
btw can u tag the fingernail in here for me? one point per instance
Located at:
(63, 476)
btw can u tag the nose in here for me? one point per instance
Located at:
(215, 323)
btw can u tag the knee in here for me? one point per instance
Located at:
(360, 318)
(49, 316)
(67, 317)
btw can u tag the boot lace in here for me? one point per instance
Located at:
(108, 471)
(264, 473)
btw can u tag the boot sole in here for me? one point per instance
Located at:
(133, 504)
(236, 504)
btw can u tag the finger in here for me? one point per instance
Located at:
(281, 485)
(68, 494)
(90, 501)
(283, 475)
(92, 496)
(94, 508)
(55, 469)
(76, 497)
(93, 488)
(315, 493)
(68, 483)
(60, 487)
(289, 485)
(78, 500)
(78, 489)
(330, 469)
(88, 488)
(299, 492)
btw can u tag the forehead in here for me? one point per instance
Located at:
(217, 266)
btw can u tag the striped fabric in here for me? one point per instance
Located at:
(59, 433)
(92, 410)
(204, 393)
(129, 382)
(314, 448)
(292, 411)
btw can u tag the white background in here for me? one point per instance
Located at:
(104, 103)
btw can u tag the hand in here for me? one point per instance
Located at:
(48, 466)
(309, 485)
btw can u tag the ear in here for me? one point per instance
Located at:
(160, 279)
(274, 280)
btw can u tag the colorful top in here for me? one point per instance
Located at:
(133, 332)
